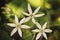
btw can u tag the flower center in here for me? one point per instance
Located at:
(19, 25)
(31, 15)
(41, 30)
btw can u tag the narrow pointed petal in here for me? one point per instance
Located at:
(22, 20)
(36, 10)
(13, 31)
(19, 32)
(39, 15)
(38, 25)
(25, 26)
(48, 30)
(44, 26)
(16, 19)
(33, 20)
(29, 9)
(27, 19)
(26, 14)
(45, 36)
(38, 36)
(36, 30)
(11, 24)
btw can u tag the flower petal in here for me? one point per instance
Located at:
(36, 30)
(39, 15)
(38, 36)
(25, 26)
(26, 14)
(45, 36)
(22, 20)
(48, 30)
(11, 24)
(33, 20)
(38, 25)
(27, 19)
(13, 31)
(44, 26)
(16, 19)
(19, 32)
(29, 9)
(36, 10)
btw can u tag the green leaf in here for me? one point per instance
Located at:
(4, 36)
(27, 35)
(30, 23)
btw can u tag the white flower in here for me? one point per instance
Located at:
(32, 15)
(18, 25)
(41, 30)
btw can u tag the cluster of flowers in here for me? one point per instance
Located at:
(19, 24)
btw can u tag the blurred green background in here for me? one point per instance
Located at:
(9, 8)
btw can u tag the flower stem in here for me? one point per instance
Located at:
(33, 36)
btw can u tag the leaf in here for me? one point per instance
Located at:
(27, 35)
(4, 36)
(30, 23)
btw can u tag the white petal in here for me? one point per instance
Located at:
(44, 26)
(16, 19)
(36, 10)
(25, 26)
(39, 15)
(27, 19)
(19, 32)
(38, 25)
(11, 24)
(26, 14)
(13, 31)
(33, 20)
(22, 20)
(38, 36)
(48, 30)
(36, 30)
(45, 36)
(29, 9)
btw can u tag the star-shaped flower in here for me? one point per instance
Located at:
(41, 30)
(18, 25)
(31, 14)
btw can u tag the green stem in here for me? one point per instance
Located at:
(33, 36)
(54, 25)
